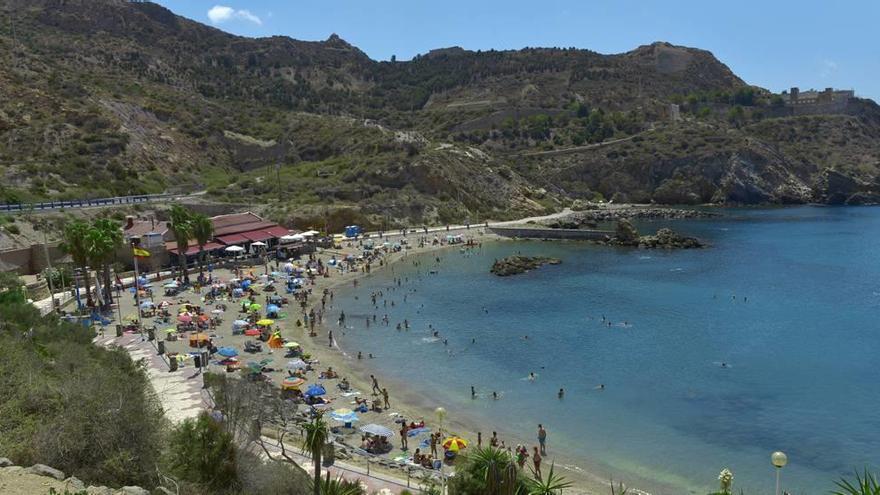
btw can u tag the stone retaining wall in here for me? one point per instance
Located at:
(546, 233)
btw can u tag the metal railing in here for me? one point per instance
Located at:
(84, 203)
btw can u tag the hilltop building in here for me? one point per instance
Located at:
(829, 100)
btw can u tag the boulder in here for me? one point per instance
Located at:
(74, 485)
(99, 490)
(161, 490)
(44, 470)
(4, 462)
(133, 490)
(626, 233)
(514, 265)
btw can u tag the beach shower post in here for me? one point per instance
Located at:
(441, 413)
(779, 460)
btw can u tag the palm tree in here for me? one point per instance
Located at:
(863, 485)
(203, 231)
(110, 240)
(316, 436)
(75, 243)
(551, 485)
(495, 469)
(339, 486)
(181, 227)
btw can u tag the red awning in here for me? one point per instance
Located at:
(278, 231)
(233, 239)
(194, 249)
(257, 235)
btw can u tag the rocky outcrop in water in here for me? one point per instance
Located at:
(627, 235)
(514, 265)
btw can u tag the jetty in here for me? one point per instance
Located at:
(548, 233)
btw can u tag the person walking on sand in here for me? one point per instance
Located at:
(385, 398)
(376, 388)
(404, 430)
(542, 439)
(536, 460)
(434, 439)
(330, 338)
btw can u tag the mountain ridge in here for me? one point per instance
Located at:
(113, 97)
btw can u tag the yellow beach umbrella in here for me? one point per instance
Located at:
(265, 322)
(454, 444)
(291, 345)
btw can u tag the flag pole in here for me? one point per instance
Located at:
(137, 296)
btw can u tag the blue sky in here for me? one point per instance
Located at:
(770, 43)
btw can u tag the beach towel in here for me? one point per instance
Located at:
(418, 431)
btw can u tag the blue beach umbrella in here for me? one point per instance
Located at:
(272, 308)
(245, 284)
(147, 304)
(227, 352)
(315, 390)
(346, 416)
(297, 364)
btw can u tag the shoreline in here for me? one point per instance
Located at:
(415, 405)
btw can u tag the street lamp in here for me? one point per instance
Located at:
(779, 460)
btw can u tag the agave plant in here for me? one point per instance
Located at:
(553, 484)
(865, 484)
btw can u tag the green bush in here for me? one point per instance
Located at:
(73, 405)
(201, 452)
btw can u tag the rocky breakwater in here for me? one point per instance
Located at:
(627, 235)
(588, 216)
(514, 265)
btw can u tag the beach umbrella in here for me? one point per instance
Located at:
(142, 281)
(171, 285)
(239, 323)
(297, 364)
(217, 311)
(272, 308)
(227, 352)
(378, 430)
(147, 304)
(454, 444)
(290, 383)
(315, 390)
(291, 345)
(252, 332)
(170, 330)
(245, 284)
(234, 249)
(346, 416)
(258, 243)
(255, 307)
(164, 304)
(265, 322)
(184, 318)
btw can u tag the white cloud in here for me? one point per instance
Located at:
(829, 67)
(219, 14)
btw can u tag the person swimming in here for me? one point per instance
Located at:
(473, 392)
(532, 376)
(561, 393)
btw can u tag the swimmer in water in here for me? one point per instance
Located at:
(561, 393)
(601, 386)
(473, 392)
(532, 376)
(495, 395)
(723, 364)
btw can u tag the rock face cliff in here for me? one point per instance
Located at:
(107, 97)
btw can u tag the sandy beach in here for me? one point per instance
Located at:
(405, 401)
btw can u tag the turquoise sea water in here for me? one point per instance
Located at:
(801, 351)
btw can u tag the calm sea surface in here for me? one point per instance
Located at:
(787, 299)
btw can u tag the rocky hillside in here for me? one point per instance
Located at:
(106, 97)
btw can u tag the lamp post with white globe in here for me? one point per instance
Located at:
(779, 460)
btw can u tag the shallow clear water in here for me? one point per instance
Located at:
(801, 351)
